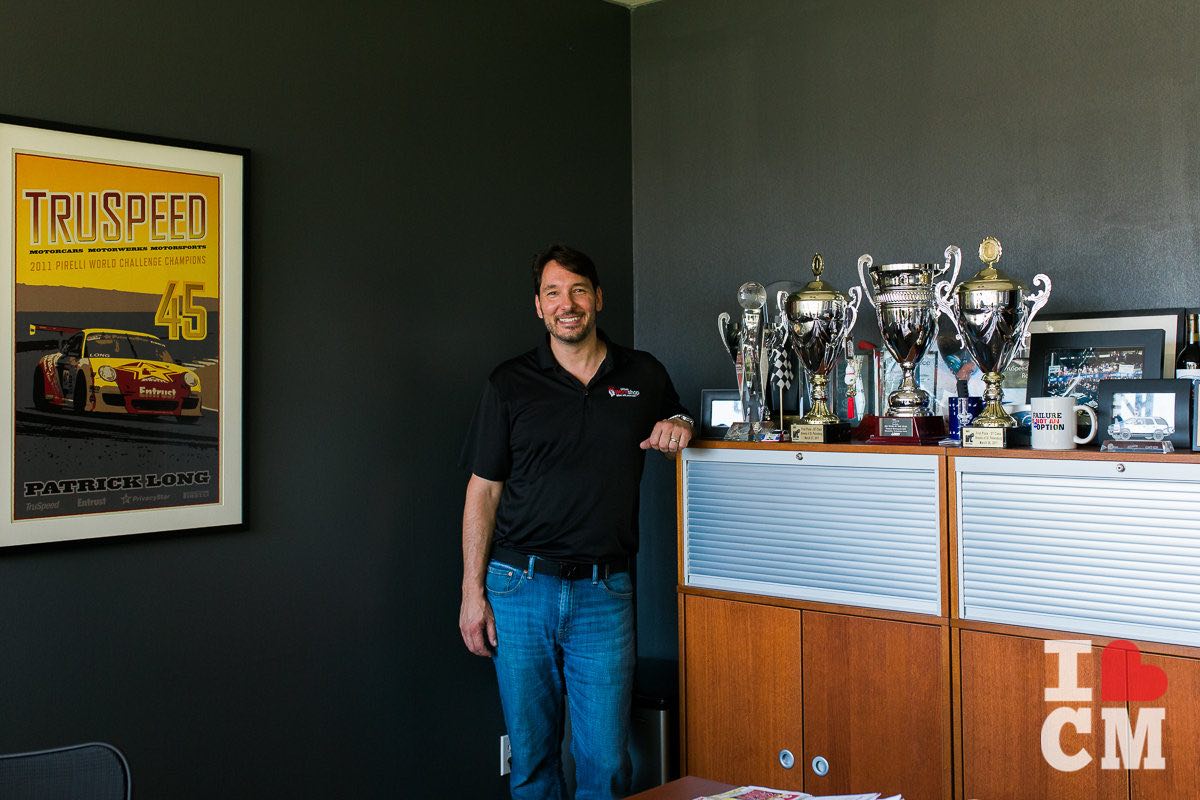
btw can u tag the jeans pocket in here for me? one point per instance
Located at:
(503, 579)
(619, 585)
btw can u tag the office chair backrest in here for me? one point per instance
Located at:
(81, 772)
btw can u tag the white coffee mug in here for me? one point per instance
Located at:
(1053, 423)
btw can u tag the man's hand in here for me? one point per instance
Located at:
(668, 437)
(476, 624)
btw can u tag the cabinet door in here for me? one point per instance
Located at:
(876, 706)
(1180, 733)
(1004, 679)
(742, 679)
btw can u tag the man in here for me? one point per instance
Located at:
(556, 451)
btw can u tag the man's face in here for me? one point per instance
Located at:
(567, 303)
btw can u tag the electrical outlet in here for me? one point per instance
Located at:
(505, 755)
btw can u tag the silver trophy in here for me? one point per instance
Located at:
(907, 311)
(750, 342)
(991, 313)
(819, 320)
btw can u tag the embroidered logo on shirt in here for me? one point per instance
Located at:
(620, 391)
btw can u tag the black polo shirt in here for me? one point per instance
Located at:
(568, 454)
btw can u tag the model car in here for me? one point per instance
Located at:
(1155, 428)
(105, 370)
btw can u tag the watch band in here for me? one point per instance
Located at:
(685, 418)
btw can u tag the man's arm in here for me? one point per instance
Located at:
(475, 620)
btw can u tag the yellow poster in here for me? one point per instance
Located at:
(117, 309)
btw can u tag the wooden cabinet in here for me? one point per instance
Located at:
(1004, 679)
(763, 680)
(742, 678)
(876, 706)
(907, 649)
(1181, 733)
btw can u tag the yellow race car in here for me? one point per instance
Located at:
(114, 371)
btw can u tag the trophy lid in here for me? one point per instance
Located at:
(990, 278)
(817, 289)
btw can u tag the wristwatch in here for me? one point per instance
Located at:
(685, 418)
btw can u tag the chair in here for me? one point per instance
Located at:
(92, 771)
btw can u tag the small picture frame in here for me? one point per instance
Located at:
(1146, 410)
(1075, 364)
(719, 408)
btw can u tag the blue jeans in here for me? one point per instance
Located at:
(573, 635)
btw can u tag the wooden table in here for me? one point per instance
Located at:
(683, 789)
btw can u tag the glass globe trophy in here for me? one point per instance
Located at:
(749, 343)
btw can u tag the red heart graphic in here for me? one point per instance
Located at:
(1124, 678)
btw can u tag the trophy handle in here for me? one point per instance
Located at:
(952, 251)
(1037, 299)
(729, 333)
(947, 304)
(864, 263)
(856, 296)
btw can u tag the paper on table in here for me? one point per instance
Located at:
(763, 793)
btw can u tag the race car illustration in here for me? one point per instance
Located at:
(105, 370)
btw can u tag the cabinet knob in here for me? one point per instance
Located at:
(820, 766)
(1120, 467)
(786, 759)
(799, 456)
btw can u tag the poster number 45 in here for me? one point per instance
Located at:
(180, 314)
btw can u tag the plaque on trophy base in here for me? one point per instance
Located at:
(833, 433)
(1119, 446)
(976, 436)
(909, 430)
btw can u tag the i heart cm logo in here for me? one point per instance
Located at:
(1124, 678)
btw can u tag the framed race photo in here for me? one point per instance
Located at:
(1171, 321)
(123, 333)
(1074, 364)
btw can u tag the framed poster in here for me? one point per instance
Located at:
(1075, 364)
(122, 332)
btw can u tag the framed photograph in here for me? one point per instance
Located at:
(719, 408)
(1074, 364)
(123, 333)
(1146, 410)
(1171, 321)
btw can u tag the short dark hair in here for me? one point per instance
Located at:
(573, 260)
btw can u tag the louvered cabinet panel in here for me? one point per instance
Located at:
(1100, 547)
(852, 528)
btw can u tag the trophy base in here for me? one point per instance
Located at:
(1128, 446)
(909, 430)
(833, 433)
(743, 432)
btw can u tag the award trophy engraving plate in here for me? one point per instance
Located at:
(906, 310)
(819, 319)
(991, 313)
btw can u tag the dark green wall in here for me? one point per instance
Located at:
(407, 160)
(765, 130)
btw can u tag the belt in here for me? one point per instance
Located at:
(559, 569)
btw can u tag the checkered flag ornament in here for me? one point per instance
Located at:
(783, 374)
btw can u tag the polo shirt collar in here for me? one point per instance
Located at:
(612, 357)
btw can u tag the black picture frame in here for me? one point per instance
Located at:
(1172, 322)
(707, 397)
(1181, 417)
(1044, 346)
